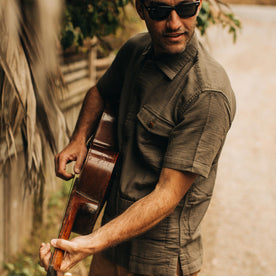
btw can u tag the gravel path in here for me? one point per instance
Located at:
(239, 229)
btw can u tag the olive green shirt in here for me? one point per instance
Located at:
(173, 112)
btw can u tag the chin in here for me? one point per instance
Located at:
(174, 50)
(177, 51)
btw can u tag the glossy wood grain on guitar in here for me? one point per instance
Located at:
(89, 190)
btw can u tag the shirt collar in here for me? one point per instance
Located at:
(170, 65)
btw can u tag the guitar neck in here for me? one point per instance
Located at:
(65, 230)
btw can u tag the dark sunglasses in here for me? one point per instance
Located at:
(161, 12)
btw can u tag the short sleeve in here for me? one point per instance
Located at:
(195, 143)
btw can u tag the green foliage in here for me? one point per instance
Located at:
(204, 18)
(89, 18)
(236, 24)
(217, 12)
(57, 199)
(24, 266)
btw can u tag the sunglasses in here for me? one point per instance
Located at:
(161, 12)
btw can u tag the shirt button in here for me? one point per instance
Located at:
(151, 124)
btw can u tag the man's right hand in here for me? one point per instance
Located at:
(75, 151)
(92, 108)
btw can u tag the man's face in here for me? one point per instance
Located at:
(169, 35)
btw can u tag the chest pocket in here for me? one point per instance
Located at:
(153, 133)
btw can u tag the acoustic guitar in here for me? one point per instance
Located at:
(89, 190)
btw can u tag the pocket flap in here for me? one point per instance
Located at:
(154, 123)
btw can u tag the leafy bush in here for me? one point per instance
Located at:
(89, 18)
(217, 12)
(24, 266)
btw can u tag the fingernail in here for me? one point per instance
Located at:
(77, 170)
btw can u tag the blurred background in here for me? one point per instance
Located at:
(240, 226)
(45, 71)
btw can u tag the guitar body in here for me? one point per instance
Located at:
(89, 190)
(96, 174)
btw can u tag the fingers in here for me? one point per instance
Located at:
(60, 166)
(79, 162)
(75, 251)
(45, 255)
(62, 244)
(73, 152)
(67, 247)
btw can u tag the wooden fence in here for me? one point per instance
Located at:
(16, 207)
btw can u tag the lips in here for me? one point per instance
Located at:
(173, 36)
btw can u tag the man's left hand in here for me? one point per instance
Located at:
(75, 251)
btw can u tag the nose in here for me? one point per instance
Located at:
(173, 21)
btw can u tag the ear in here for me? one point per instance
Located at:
(140, 9)
(198, 10)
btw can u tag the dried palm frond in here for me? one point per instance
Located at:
(30, 82)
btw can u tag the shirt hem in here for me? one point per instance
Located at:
(196, 168)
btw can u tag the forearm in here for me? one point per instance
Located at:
(137, 219)
(89, 115)
(142, 215)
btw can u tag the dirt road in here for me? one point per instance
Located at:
(240, 227)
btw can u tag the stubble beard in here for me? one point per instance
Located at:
(170, 47)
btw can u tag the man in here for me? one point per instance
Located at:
(175, 108)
